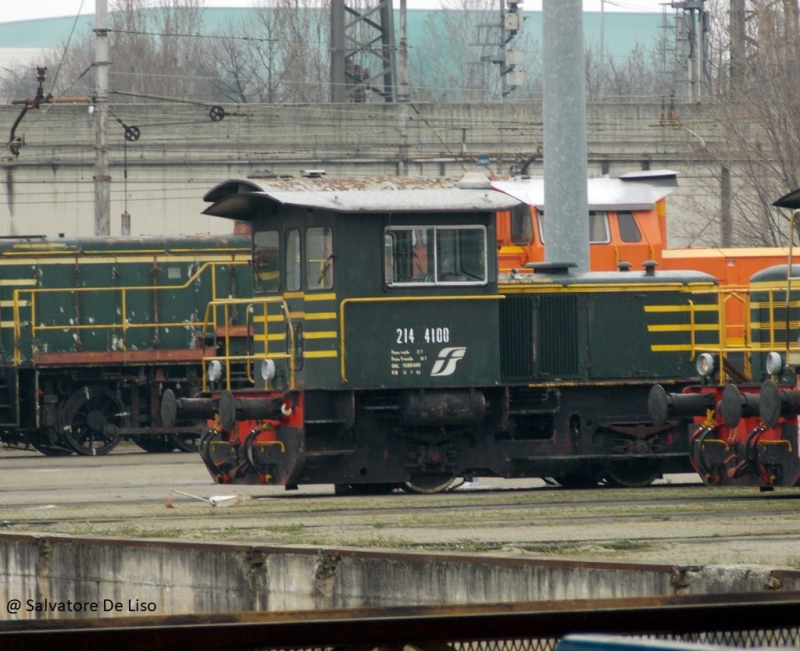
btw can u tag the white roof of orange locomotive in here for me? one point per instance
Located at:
(632, 191)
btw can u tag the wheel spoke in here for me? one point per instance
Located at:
(86, 417)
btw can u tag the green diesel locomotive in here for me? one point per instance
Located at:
(93, 330)
(384, 351)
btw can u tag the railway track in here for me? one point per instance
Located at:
(678, 521)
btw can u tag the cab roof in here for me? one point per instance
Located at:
(631, 191)
(242, 199)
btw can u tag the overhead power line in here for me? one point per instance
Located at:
(213, 36)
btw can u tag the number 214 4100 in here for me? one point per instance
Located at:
(428, 335)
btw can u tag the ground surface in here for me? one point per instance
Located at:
(676, 521)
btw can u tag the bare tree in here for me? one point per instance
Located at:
(157, 48)
(461, 58)
(633, 76)
(281, 56)
(760, 114)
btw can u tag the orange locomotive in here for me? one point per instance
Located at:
(628, 227)
(627, 220)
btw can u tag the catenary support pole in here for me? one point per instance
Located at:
(566, 221)
(102, 178)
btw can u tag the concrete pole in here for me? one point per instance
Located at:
(102, 178)
(726, 225)
(566, 221)
(699, 64)
(404, 91)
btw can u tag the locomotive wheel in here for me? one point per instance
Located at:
(631, 474)
(427, 483)
(185, 442)
(90, 417)
(155, 444)
(46, 441)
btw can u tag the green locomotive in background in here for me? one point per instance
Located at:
(386, 352)
(93, 330)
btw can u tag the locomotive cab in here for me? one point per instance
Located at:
(368, 342)
(627, 219)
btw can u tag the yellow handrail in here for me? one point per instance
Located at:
(210, 322)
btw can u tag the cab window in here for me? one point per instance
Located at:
(319, 258)
(598, 227)
(435, 256)
(293, 264)
(521, 226)
(266, 261)
(628, 229)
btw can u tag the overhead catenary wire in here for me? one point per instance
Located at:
(66, 47)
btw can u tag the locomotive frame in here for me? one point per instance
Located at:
(373, 369)
(745, 432)
(93, 330)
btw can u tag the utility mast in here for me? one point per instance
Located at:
(102, 178)
(691, 37)
(498, 38)
(362, 51)
(511, 69)
(566, 222)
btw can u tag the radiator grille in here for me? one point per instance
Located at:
(539, 337)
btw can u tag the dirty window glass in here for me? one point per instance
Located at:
(319, 258)
(266, 261)
(598, 227)
(434, 256)
(628, 230)
(521, 226)
(293, 263)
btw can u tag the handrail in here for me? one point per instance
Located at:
(228, 360)
(769, 327)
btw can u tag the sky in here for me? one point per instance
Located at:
(11, 10)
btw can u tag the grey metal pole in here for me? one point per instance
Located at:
(102, 178)
(338, 72)
(566, 221)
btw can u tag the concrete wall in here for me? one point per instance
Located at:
(182, 153)
(166, 578)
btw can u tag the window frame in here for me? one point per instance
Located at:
(293, 268)
(433, 246)
(624, 233)
(607, 240)
(327, 262)
(258, 269)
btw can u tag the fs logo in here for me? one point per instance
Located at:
(447, 360)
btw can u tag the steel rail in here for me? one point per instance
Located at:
(425, 627)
